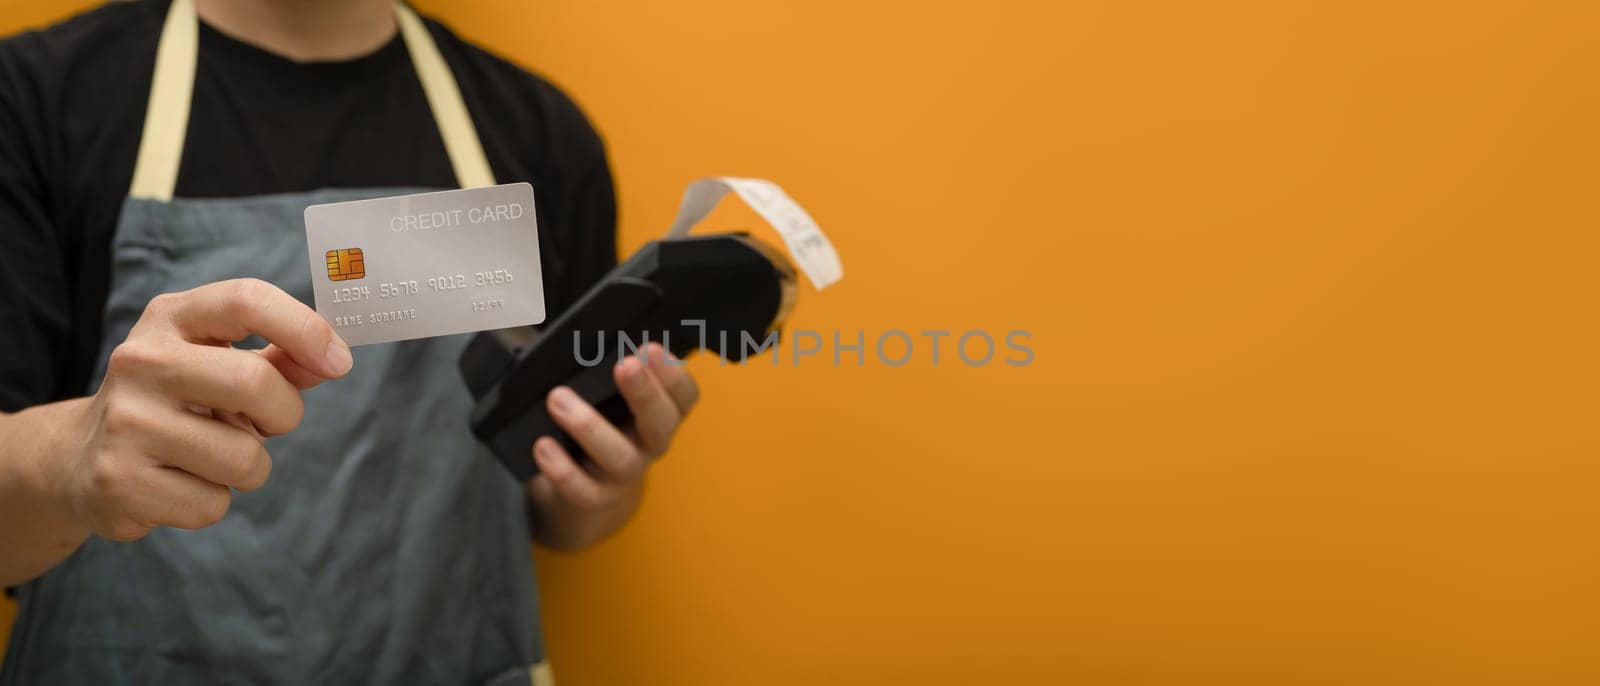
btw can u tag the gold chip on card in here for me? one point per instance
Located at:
(345, 264)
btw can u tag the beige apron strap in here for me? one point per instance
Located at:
(539, 674)
(444, 98)
(166, 118)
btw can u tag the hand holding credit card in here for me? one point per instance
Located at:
(428, 264)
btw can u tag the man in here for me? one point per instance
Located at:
(177, 509)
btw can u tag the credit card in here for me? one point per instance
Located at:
(428, 264)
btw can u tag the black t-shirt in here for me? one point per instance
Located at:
(72, 105)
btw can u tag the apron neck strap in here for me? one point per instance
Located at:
(166, 117)
(444, 99)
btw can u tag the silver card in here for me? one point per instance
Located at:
(429, 264)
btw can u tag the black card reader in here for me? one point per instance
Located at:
(719, 291)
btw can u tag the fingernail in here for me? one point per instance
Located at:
(666, 358)
(339, 358)
(546, 454)
(628, 369)
(564, 399)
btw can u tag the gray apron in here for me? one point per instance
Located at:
(385, 548)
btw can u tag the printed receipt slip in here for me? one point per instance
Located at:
(429, 264)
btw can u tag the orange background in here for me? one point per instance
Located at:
(1311, 293)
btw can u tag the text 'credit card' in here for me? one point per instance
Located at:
(429, 264)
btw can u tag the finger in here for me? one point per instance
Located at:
(172, 497)
(234, 381)
(655, 415)
(612, 452)
(301, 377)
(208, 448)
(228, 311)
(236, 420)
(561, 475)
(680, 386)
